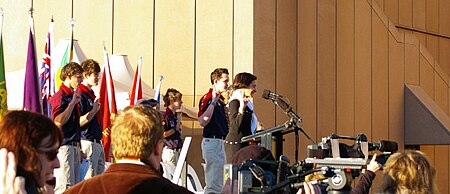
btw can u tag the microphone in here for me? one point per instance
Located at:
(267, 94)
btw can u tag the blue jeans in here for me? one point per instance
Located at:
(213, 153)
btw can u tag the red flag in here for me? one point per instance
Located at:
(108, 108)
(136, 91)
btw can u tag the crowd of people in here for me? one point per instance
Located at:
(41, 155)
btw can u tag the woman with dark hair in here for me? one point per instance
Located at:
(243, 121)
(34, 140)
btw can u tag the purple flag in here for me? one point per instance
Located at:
(31, 90)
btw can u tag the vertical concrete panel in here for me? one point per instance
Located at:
(243, 36)
(286, 64)
(133, 34)
(392, 10)
(380, 79)
(380, 3)
(264, 56)
(326, 80)
(98, 19)
(345, 67)
(412, 69)
(396, 85)
(433, 46)
(405, 13)
(419, 14)
(60, 10)
(421, 36)
(426, 76)
(444, 14)
(363, 68)
(441, 92)
(174, 46)
(213, 40)
(307, 70)
(16, 29)
(444, 57)
(442, 165)
(432, 15)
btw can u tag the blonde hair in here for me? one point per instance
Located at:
(409, 171)
(135, 132)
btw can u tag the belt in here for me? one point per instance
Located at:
(94, 140)
(214, 137)
(74, 143)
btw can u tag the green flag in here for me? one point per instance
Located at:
(3, 94)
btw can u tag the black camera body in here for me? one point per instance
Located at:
(339, 163)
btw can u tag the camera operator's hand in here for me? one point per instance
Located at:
(309, 188)
(373, 165)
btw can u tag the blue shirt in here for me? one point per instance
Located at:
(92, 130)
(71, 129)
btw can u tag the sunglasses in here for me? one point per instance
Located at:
(51, 154)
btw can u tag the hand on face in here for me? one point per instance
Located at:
(9, 183)
(75, 97)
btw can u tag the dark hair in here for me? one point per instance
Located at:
(22, 133)
(70, 69)
(217, 74)
(89, 67)
(255, 152)
(171, 95)
(243, 80)
(150, 103)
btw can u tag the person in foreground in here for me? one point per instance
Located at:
(407, 172)
(33, 141)
(137, 139)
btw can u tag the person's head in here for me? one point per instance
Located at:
(152, 103)
(172, 99)
(219, 79)
(255, 152)
(91, 72)
(137, 133)
(409, 171)
(34, 139)
(246, 82)
(71, 74)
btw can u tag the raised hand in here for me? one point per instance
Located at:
(9, 183)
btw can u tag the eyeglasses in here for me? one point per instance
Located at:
(51, 154)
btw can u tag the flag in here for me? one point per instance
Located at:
(32, 95)
(3, 93)
(108, 108)
(45, 76)
(136, 91)
(157, 91)
(67, 57)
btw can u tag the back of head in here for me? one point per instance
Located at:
(149, 103)
(135, 132)
(409, 171)
(171, 95)
(22, 133)
(255, 152)
(243, 80)
(217, 74)
(90, 66)
(70, 69)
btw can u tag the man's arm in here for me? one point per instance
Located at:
(206, 116)
(85, 119)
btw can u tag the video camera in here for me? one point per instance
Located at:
(339, 163)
